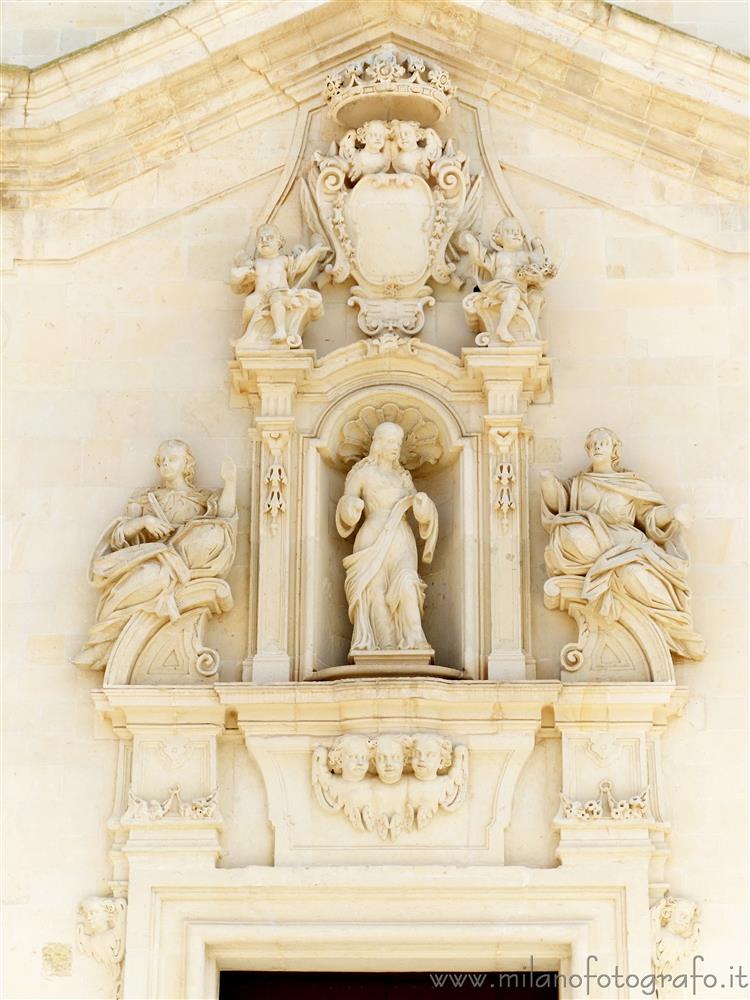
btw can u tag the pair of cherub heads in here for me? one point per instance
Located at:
(378, 146)
(353, 756)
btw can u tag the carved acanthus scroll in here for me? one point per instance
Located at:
(504, 501)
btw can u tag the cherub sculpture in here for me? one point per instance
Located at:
(277, 307)
(375, 155)
(439, 782)
(337, 777)
(408, 156)
(101, 934)
(675, 929)
(510, 279)
(414, 778)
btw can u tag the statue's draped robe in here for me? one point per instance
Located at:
(606, 531)
(140, 575)
(391, 561)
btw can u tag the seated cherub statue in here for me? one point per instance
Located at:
(510, 280)
(277, 306)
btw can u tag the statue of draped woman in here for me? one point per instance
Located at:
(161, 563)
(383, 589)
(608, 528)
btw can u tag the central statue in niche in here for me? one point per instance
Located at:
(383, 589)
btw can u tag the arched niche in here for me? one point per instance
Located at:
(443, 460)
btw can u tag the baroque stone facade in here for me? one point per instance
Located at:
(346, 669)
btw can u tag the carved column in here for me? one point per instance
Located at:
(509, 381)
(271, 661)
(271, 381)
(168, 791)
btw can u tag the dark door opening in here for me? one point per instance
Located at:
(388, 986)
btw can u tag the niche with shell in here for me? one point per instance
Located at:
(440, 459)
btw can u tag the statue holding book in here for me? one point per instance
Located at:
(160, 568)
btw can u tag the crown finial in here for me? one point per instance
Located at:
(389, 84)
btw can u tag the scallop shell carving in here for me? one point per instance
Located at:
(421, 437)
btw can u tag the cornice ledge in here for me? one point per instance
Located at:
(188, 35)
(106, 115)
(178, 40)
(635, 44)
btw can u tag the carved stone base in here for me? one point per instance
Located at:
(390, 663)
(302, 306)
(629, 649)
(482, 314)
(395, 316)
(154, 650)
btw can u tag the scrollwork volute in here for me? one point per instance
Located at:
(390, 784)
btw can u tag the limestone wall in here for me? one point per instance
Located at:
(117, 327)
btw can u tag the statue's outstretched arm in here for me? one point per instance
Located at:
(468, 242)
(228, 497)
(242, 276)
(554, 493)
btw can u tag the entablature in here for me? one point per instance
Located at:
(315, 706)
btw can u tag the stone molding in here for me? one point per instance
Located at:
(492, 917)
(557, 914)
(107, 114)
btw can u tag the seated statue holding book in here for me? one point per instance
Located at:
(162, 561)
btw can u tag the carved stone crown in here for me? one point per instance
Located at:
(389, 84)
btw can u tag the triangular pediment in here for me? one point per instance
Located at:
(594, 77)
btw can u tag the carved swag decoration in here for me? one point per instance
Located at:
(390, 784)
